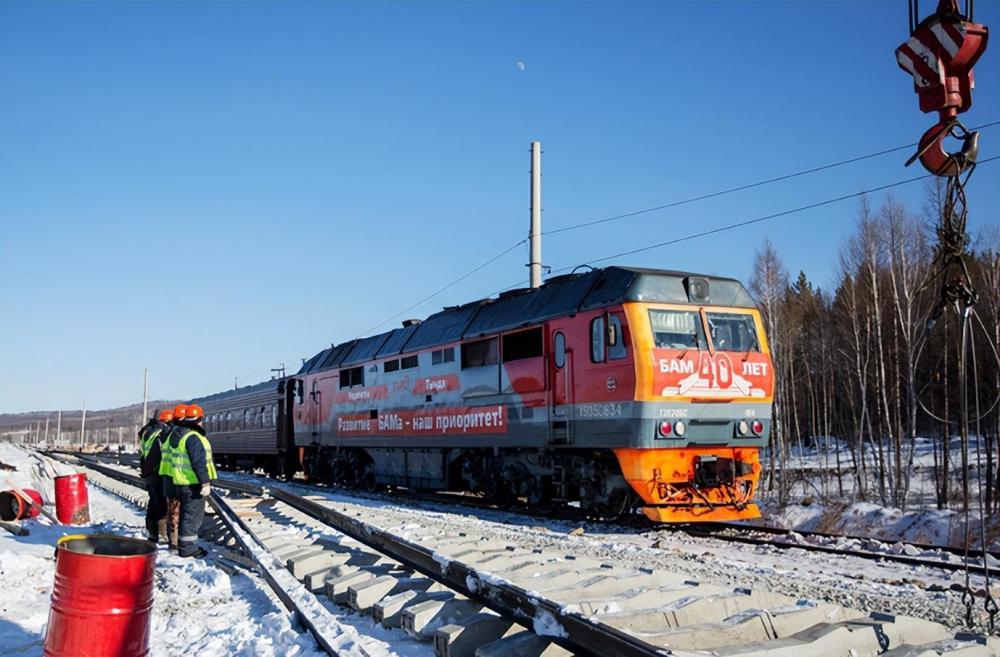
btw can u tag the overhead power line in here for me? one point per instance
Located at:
(740, 188)
(666, 206)
(757, 220)
(446, 287)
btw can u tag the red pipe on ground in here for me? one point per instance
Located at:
(15, 507)
(102, 600)
(72, 502)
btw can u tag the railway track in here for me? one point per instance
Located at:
(468, 595)
(917, 555)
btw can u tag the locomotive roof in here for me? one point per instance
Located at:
(558, 296)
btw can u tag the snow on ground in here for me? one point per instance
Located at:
(198, 608)
(821, 502)
(845, 580)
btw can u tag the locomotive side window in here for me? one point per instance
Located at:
(479, 353)
(391, 366)
(299, 391)
(354, 376)
(733, 332)
(408, 362)
(443, 356)
(597, 333)
(559, 347)
(524, 344)
(677, 329)
(616, 338)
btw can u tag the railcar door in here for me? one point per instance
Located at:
(283, 423)
(561, 370)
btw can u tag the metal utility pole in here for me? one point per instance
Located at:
(119, 440)
(59, 427)
(145, 388)
(83, 423)
(535, 234)
(46, 431)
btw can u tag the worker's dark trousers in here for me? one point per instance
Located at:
(192, 515)
(156, 510)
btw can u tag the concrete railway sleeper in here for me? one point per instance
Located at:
(483, 598)
(926, 555)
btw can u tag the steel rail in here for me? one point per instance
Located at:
(580, 635)
(242, 535)
(781, 531)
(871, 556)
(746, 538)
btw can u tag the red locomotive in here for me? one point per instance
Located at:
(604, 389)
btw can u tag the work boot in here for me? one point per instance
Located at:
(192, 552)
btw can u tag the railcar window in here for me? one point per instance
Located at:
(229, 417)
(677, 329)
(246, 419)
(354, 376)
(391, 365)
(408, 362)
(274, 415)
(481, 352)
(597, 333)
(523, 344)
(733, 332)
(618, 350)
(559, 346)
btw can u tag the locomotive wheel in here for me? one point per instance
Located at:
(616, 507)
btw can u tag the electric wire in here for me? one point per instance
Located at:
(665, 206)
(740, 188)
(748, 222)
(448, 286)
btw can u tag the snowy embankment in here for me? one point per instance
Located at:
(929, 526)
(822, 500)
(198, 609)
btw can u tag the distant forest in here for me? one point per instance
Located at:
(860, 366)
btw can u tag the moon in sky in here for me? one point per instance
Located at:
(520, 66)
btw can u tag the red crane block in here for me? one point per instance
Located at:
(940, 55)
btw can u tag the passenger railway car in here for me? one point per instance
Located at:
(605, 389)
(249, 428)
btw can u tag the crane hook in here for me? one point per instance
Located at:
(939, 162)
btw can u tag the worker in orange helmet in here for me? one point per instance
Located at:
(166, 472)
(151, 438)
(193, 472)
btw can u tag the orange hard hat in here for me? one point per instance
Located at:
(166, 415)
(194, 412)
(180, 410)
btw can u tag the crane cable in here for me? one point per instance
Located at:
(990, 604)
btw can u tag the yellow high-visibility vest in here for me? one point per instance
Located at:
(183, 472)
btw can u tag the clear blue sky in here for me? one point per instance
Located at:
(209, 190)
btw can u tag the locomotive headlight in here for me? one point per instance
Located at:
(758, 427)
(665, 428)
(742, 427)
(679, 428)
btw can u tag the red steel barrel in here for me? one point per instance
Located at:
(72, 503)
(15, 507)
(102, 600)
